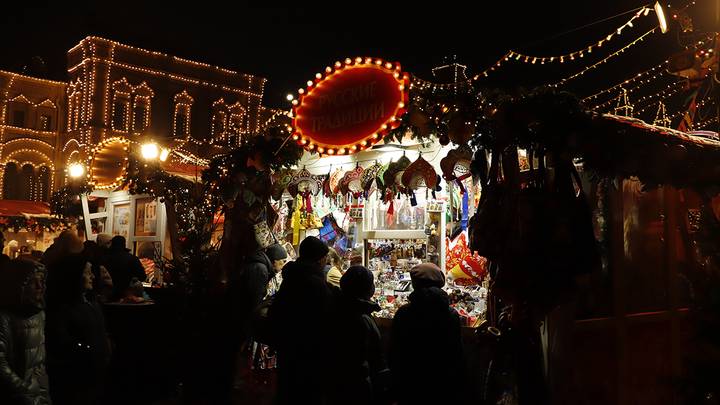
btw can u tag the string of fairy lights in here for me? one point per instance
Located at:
(664, 92)
(616, 96)
(661, 97)
(580, 53)
(604, 60)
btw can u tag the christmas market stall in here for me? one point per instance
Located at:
(28, 227)
(381, 192)
(138, 191)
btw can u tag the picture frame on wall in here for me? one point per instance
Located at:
(146, 216)
(121, 220)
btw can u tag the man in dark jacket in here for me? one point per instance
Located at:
(123, 266)
(299, 316)
(359, 374)
(426, 343)
(23, 380)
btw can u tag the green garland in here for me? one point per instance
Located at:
(65, 202)
(435, 113)
(33, 224)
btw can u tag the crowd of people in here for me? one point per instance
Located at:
(329, 348)
(315, 327)
(54, 347)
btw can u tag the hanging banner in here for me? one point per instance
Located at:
(351, 106)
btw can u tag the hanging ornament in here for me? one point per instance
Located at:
(370, 177)
(420, 173)
(456, 166)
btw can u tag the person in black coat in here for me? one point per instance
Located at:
(426, 344)
(299, 317)
(23, 379)
(77, 347)
(246, 289)
(123, 266)
(359, 373)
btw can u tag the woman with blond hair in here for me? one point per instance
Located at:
(337, 265)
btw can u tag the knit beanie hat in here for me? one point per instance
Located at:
(358, 282)
(276, 252)
(427, 275)
(313, 249)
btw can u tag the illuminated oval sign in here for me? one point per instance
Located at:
(350, 106)
(108, 163)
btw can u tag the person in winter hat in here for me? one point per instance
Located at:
(23, 379)
(425, 342)
(300, 319)
(360, 375)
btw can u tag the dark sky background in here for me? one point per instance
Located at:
(288, 45)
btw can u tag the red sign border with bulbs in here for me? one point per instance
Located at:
(361, 140)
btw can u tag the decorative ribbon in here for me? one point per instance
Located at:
(308, 201)
(295, 222)
(459, 181)
(464, 217)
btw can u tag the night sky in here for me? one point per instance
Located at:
(288, 45)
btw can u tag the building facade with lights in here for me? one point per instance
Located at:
(116, 95)
(31, 128)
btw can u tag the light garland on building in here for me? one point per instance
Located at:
(604, 60)
(106, 90)
(580, 53)
(159, 54)
(32, 79)
(79, 145)
(164, 74)
(28, 131)
(9, 157)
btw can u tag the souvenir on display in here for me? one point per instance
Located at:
(304, 183)
(456, 165)
(335, 178)
(420, 173)
(370, 175)
(280, 180)
(395, 169)
(352, 182)
(326, 190)
(330, 231)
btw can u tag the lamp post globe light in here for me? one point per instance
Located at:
(152, 151)
(76, 170)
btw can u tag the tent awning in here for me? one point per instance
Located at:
(187, 171)
(19, 208)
